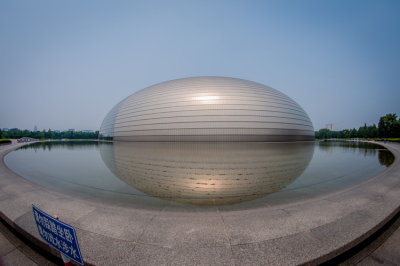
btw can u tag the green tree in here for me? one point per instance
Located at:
(353, 133)
(49, 134)
(363, 131)
(372, 131)
(346, 133)
(389, 126)
(42, 134)
(323, 133)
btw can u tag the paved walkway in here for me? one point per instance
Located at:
(304, 232)
(14, 252)
(388, 252)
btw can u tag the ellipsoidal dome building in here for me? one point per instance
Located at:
(207, 109)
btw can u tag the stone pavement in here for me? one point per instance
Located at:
(311, 231)
(388, 252)
(15, 252)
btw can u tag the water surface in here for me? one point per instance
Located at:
(198, 175)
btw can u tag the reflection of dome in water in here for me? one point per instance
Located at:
(207, 109)
(207, 173)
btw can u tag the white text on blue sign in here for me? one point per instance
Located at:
(57, 234)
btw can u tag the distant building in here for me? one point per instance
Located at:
(71, 130)
(5, 129)
(87, 131)
(57, 131)
(35, 129)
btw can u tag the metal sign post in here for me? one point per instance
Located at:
(58, 235)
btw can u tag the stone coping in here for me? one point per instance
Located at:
(305, 232)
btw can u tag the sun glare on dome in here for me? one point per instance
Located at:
(205, 99)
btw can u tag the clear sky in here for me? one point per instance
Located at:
(65, 64)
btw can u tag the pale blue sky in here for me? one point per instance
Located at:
(66, 64)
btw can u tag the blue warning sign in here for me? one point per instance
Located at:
(57, 234)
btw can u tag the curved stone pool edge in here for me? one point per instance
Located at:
(312, 231)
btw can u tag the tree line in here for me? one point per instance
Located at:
(15, 133)
(388, 127)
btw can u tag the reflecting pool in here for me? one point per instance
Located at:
(198, 175)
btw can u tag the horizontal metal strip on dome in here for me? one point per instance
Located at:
(195, 129)
(286, 122)
(215, 122)
(214, 119)
(222, 133)
(205, 101)
(217, 129)
(233, 118)
(204, 108)
(177, 124)
(178, 130)
(193, 98)
(210, 131)
(185, 100)
(230, 119)
(222, 100)
(154, 130)
(135, 99)
(226, 138)
(200, 109)
(215, 107)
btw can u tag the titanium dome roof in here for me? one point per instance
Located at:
(207, 109)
